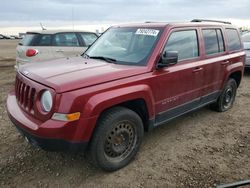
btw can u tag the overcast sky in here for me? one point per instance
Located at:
(60, 13)
(23, 11)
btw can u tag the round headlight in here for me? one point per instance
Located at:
(46, 101)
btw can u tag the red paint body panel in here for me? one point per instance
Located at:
(73, 73)
(91, 86)
(77, 131)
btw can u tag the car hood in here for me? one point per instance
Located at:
(72, 73)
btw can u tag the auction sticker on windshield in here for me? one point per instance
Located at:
(150, 32)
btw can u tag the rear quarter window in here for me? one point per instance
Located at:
(233, 38)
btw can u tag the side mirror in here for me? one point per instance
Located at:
(168, 58)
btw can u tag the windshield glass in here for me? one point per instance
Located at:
(129, 46)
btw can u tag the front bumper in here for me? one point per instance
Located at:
(50, 144)
(51, 134)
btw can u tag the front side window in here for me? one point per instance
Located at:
(88, 38)
(233, 39)
(213, 41)
(185, 43)
(130, 46)
(65, 39)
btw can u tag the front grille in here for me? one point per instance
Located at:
(25, 95)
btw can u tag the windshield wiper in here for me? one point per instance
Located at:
(107, 59)
(84, 55)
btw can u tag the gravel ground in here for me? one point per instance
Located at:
(200, 149)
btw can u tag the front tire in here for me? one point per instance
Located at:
(117, 138)
(227, 97)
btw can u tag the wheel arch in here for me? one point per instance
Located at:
(235, 71)
(140, 101)
(237, 76)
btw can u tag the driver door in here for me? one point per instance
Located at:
(179, 85)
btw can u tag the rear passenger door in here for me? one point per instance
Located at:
(180, 84)
(64, 45)
(235, 47)
(215, 62)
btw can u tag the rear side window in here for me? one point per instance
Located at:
(45, 40)
(233, 39)
(65, 39)
(88, 38)
(213, 41)
(220, 40)
(28, 39)
(185, 43)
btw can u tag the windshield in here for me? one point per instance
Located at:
(129, 46)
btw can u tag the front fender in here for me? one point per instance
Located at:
(101, 101)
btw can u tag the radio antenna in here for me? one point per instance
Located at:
(73, 27)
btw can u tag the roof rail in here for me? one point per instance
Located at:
(202, 20)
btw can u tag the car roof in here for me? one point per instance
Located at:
(175, 24)
(57, 31)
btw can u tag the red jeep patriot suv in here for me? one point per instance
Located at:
(132, 79)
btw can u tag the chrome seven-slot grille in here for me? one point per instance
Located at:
(25, 95)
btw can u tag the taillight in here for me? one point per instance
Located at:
(31, 52)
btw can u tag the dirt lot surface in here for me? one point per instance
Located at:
(200, 149)
(8, 51)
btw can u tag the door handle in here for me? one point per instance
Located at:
(197, 69)
(59, 50)
(225, 62)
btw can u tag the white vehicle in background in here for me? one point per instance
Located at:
(5, 37)
(15, 37)
(39, 46)
(11, 37)
(246, 42)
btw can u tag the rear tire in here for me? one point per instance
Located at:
(116, 139)
(227, 97)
